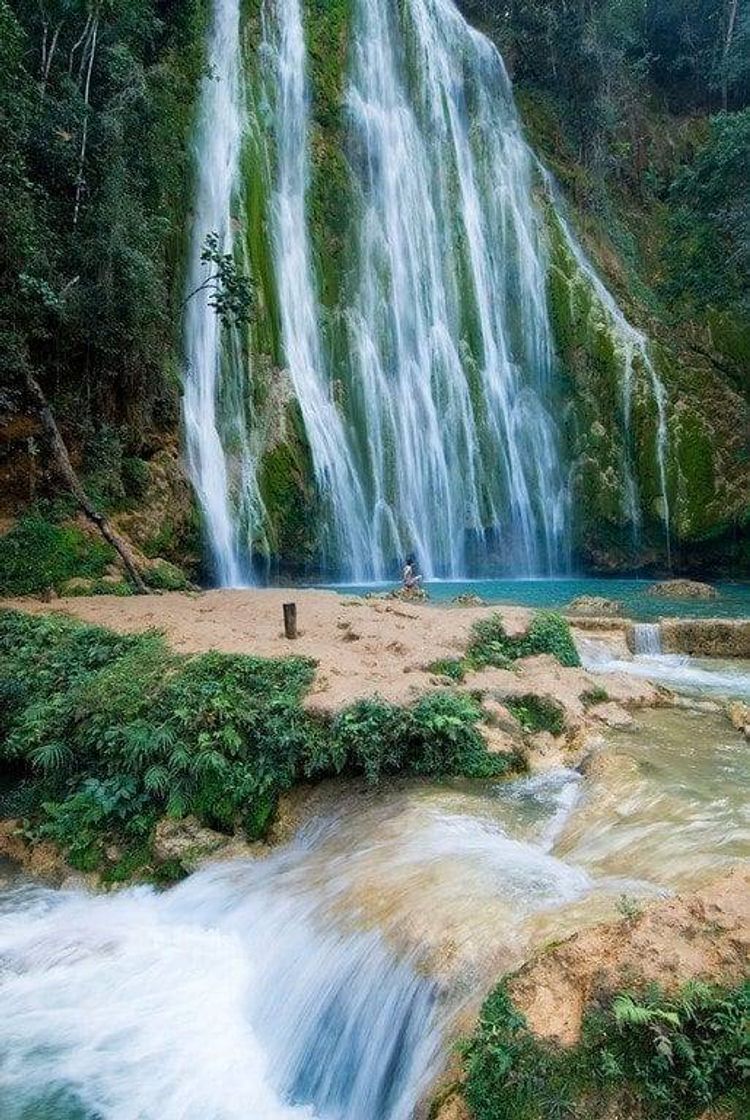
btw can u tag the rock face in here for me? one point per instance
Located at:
(706, 637)
(739, 714)
(188, 842)
(612, 715)
(594, 605)
(701, 936)
(682, 589)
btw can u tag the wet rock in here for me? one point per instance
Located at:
(594, 605)
(700, 936)
(500, 716)
(499, 741)
(612, 715)
(468, 601)
(191, 844)
(682, 589)
(43, 861)
(409, 595)
(455, 1108)
(739, 714)
(706, 637)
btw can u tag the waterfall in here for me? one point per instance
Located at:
(460, 443)
(429, 393)
(216, 403)
(646, 639)
(324, 426)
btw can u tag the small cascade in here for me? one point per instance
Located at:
(647, 639)
(324, 981)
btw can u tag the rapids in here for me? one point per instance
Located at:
(325, 980)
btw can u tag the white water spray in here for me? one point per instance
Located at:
(451, 349)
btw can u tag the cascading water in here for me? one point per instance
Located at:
(647, 639)
(323, 981)
(216, 403)
(428, 394)
(451, 349)
(334, 467)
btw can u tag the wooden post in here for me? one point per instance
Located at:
(290, 620)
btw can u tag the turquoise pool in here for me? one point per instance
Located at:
(733, 601)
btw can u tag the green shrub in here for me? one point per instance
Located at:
(438, 735)
(537, 713)
(490, 645)
(593, 696)
(103, 733)
(548, 633)
(453, 668)
(670, 1058)
(37, 554)
(163, 576)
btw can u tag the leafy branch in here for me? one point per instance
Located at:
(231, 293)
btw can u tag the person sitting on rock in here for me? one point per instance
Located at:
(411, 580)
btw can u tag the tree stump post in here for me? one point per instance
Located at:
(290, 620)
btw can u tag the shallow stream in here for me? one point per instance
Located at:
(324, 980)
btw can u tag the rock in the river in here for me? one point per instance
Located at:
(188, 842)
(706, 637)
(739, 714)
(468, 601)
(612, 715)
(682, 589)
(594, 605)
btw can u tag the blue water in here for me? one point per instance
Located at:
(733, 601)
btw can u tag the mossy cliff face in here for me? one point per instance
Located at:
(612, 430)
(610, 414)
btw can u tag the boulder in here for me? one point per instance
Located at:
(191, 844)
(468, 601)
(682, 589)
(612, 715)
(706, 637)
(739, 715)
(594, 605)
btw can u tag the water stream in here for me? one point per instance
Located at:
(323, 981)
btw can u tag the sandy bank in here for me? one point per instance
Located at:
(361, 646)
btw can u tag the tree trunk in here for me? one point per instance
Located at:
(731, 21)
(64, 467)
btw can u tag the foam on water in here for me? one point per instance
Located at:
(321, 981)
(680, 672)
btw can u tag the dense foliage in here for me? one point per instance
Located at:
(547, 633)
(668, 1057)
(96, 107)
(40, 552)
(490, 645)
(102, 734)
(605, 86)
